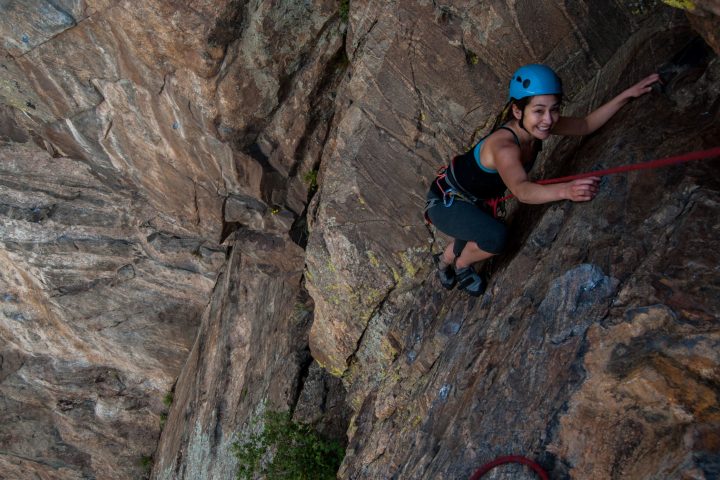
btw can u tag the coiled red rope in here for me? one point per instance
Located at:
(662, 162)
(509, 459)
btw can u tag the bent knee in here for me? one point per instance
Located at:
(494, 243)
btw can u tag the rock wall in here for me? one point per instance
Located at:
(136, 138)
(217, 204)
(439, 383)
(99, 312)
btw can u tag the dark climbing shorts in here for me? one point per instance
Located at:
(465, 221)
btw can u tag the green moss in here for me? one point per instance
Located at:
(330, 266)
(146, 462)
(335, 371)
(471, 57)
(416, 421)
(285, 449)
(683, 4)
(407, 264)
(168, 399)
(344, 10)
(396, 276)
(310, 179)
(373, 259)
(642, 7)
(387, 349)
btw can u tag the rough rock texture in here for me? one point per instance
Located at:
(158, 233)
(239, 358)
(704, 16)
(709, 28)
(98, 313)
(166, 126)
(188, 103)
(441, 384)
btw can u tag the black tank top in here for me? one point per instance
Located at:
(472, 177)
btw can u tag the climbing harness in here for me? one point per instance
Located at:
(662, 162)
(448, 191)
(451, 190)
(509, 459)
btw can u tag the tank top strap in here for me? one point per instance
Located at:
(517, 140)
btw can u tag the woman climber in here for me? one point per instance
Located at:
(500, 161)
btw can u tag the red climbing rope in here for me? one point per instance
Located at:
(509, 459)
(662, 162)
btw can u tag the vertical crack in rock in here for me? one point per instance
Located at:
(367, 325)
(322, 112)
(361, 42)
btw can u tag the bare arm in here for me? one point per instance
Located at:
(598, 117)
(509, 166)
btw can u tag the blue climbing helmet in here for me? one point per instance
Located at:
(534, 79)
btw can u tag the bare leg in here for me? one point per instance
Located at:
(448, 256)
(470, 254)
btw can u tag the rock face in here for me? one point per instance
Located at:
(164, 127)
(239, 360)
(163, 240)
(99, 312)
(440, 383)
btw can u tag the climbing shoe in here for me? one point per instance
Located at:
(445, 275)
(469, 281)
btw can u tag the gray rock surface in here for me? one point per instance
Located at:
(98, 312)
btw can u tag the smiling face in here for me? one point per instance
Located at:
(539, 115)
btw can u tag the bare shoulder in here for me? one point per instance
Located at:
(500, 148)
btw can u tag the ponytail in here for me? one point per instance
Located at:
(506, 114)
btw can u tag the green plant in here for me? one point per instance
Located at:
(168, 399)
(642, 7)
(344, 10)
(285, 449)
(163, 419)
(471, 57)
(311, 179)
(146, 462)
(300, 310)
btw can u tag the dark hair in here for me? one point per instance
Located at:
(506, 114)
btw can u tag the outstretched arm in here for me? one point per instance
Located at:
(507, 162)
(598, 117)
